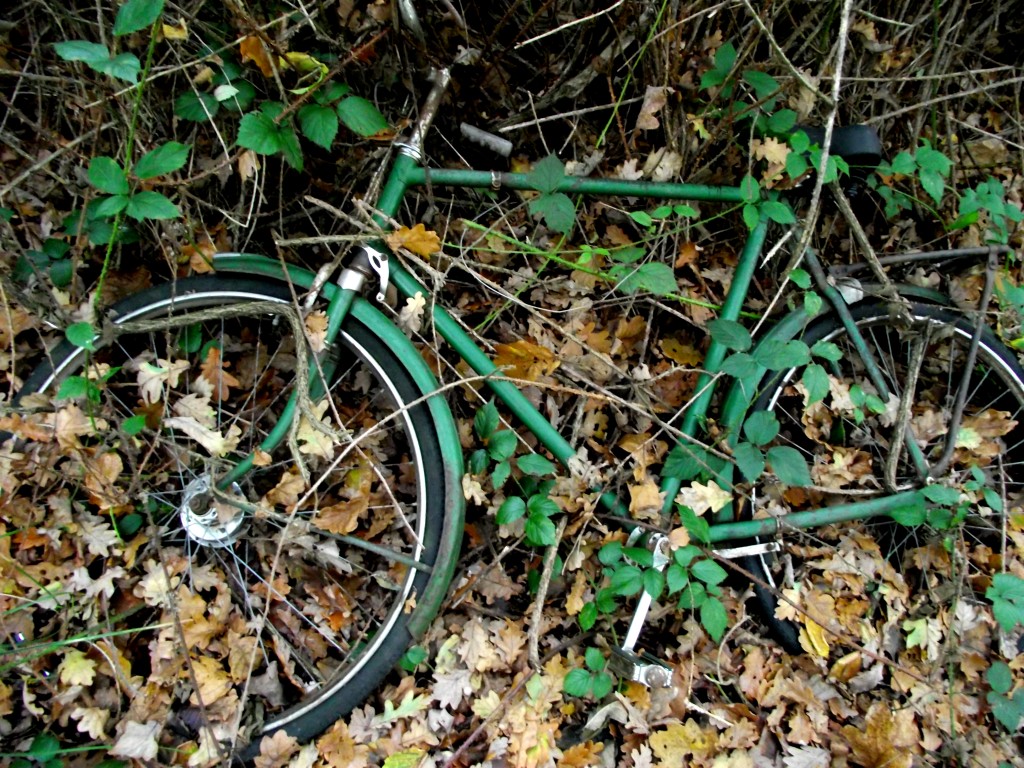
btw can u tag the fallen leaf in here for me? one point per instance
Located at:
(419, 240)
(77, 668)
(411, 316)
(703, 497)
(213, 441)
(253, 49)
(138, 741)
(213, 370)
(276, 750)
(655, 98)
(525, 360)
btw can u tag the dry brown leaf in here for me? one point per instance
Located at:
(138, 740)
(655, 99)
(645, 500)
(77, 668)
(582, 755)
(276, 750)
(316, 329)
(874, 744)
(419, 240)
(678, 741)
(682, 353)
(248, 164)
(340, 750)
(253, 49)
(213, 371)
(525, 360)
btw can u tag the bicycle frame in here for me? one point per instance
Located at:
(407, 173)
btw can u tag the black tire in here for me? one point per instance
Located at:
(189, 606)
(888, 562)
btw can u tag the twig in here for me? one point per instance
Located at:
(537, 614)
(53, 156)
(567, 25)
(785, 59)
(940, 99)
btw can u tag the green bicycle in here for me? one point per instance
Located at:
(210, 398)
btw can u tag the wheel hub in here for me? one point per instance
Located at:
(207, 523)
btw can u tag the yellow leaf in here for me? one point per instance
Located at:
(678, 740)
(645, 500)
(684, 354)
(77, 668)
(252, 49)
(175, 31)
(303, 62)
(410, 758)
(700, 498)
(419, 240)
(815, 638)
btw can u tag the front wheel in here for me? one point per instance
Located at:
(268, 600)
(901, 587)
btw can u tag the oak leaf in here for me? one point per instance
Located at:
(875, 745)
(276, 750)
(213, 371)
(138, 740)
(77, 668)
(419, 240)
(340, 750)
(703, 497)
(525, 360)
(411, 315)
(655, 99)
(214, 442)
(91, 720)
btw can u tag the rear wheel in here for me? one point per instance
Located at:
(270, 600)
(876, 580)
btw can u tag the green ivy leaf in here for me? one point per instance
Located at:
(361, 116)
(108, 176)
(81, 335)
(196, 107)
(815, 380)
(730, 334)
(319, 124)
(151, 205)
(789, 465)
(511, 510)
(714, 618)
(137, 14)
(749, 459)
(535, 464)
(164, 159)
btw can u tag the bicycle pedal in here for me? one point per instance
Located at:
(640, 668)
(734, 553)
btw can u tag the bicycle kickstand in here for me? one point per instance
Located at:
(642, 667)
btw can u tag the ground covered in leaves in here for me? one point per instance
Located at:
(606, 338)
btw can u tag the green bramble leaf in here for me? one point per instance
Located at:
(739, 365)
(124, 66)
(778, 212)
(81, 335)
(764, 85)
(730, 334)
(361, 116)
(546, 175)
(111, 206)
(485, 422)
(82, 50)
(196, 107)
(642, 218)
(540, 531)
(164, 159)
(290, 147)
(319, 124)
(542, 506)
(789, 466)
(578, 683)
(708, 571)
(133, 425)
(501, 445)
(557, 210)
(535, 464)
(259, 133)
(610, 553)
(749, 459)
(815, 380)
(594, 659)
(108, 176)
(587, 616)
(777, 355)
(761, 427)
(713, 618)
(511, 510)
(627, 581)
(135, 15)
(801, 278)
(500, 474)
(151, 205)
(652, 277)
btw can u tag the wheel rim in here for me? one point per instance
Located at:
(254, 585)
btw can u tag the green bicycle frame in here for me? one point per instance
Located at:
(406, 173)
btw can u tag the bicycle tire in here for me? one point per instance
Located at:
(812, 563)
(323, 597)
